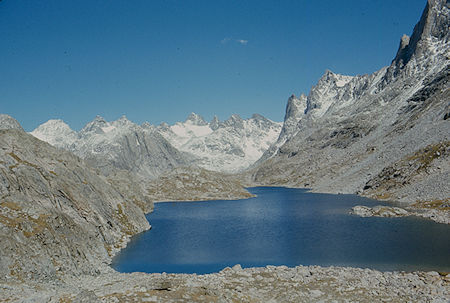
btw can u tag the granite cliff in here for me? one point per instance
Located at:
(383, 135)
(58, 216)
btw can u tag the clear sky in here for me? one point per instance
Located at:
(155, 60)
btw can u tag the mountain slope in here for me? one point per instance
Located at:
(354, 128)
(57, 215)
(196, 184)
(114, 145)
(228, 146)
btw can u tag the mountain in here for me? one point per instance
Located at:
(8, 122)
(385, 135)
(225, 146)
(149, 151)
(57, 215)
(120, 144)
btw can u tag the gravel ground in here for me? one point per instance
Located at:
(268, 284)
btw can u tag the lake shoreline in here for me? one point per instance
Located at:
(279, 283)
(276, 283)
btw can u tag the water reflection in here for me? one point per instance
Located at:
(282, 226)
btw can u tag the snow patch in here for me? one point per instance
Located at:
(107, 129)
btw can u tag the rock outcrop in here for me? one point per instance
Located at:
(57, 215)
(196, 184)
(8, 122)
(372, 134)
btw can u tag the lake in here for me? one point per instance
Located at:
(282, 226)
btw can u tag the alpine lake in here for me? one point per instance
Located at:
(282, 226)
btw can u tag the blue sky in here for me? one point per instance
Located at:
(158, 61)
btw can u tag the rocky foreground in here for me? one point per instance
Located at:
(384, 135)
(268, 284)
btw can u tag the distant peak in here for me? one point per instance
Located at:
(54, 122)
(196, 119)
(123, 120)
(8, 122)
(52, 125)
(95, 125)
(235, 117)
(99, 118)
(215, 123)
(258, 117)
(328, 76)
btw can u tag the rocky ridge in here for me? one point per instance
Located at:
(120, 144)
(33, 173)
(224, 146)
(362, 134)
(58, 216)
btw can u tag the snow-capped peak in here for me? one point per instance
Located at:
(56, 132)
(195, 119)
(226, 146)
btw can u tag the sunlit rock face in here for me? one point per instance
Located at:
(356, 129)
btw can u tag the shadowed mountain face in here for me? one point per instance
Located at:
(149, 151)
(114, 145)
(57, 215)
(355, 131)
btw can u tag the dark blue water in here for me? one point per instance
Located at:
(282, 227)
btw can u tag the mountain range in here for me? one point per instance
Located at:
(149, 151)
(385, 135)
(67, 206)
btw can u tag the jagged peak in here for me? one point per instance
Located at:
(215, 119)
(235, 121)
(123, 118)
(215, 123)
(258, 117)
(164, 125)
(235, 117)
(122, 121)
(8, 122)
(196, 119)
(95, 125)
(331, 77)
(98, 118)
(433, 24)
(295, 106)
(147, 125)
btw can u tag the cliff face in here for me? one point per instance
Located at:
(355, 130)
(57, 215)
